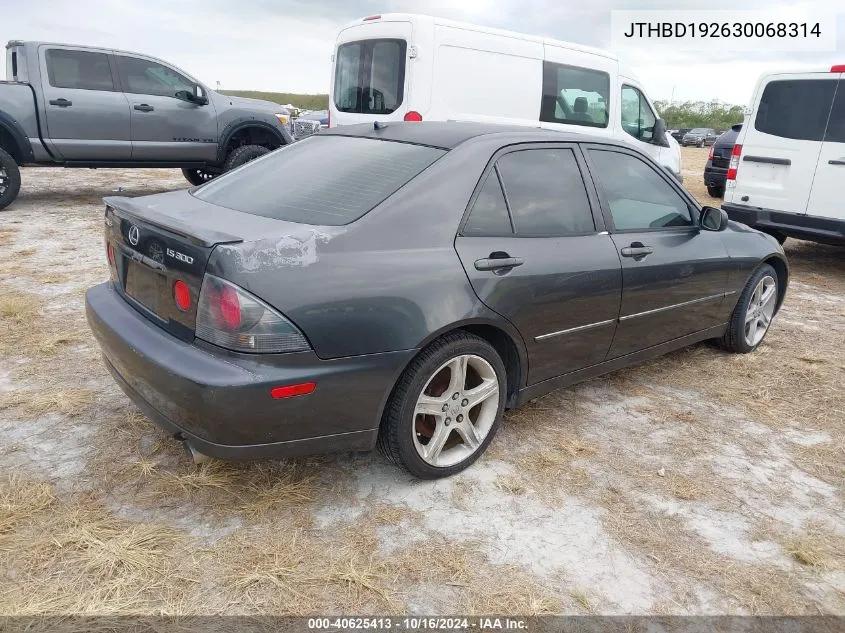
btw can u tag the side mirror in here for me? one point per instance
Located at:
(200, 98)
(197, 96)
(713, 219)
(658, 136)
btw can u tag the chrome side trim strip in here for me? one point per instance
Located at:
(572, 330)
(721, 295)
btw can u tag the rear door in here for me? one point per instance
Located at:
(372, 75)
(783, 141)
(165, 128)
(87, 114)
(536, 252)
(674, 275)
(826, 198)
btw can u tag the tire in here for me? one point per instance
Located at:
(199, 176)
(242, 155)
(716, 191)
(736, 337)
(405, 435)
(10, 179)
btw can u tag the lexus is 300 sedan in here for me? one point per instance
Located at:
(442, 273)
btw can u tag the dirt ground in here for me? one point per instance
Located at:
(700, 483)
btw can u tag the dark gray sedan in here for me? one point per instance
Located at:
(442, 273)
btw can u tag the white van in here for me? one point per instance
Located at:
(397, 66)
(787, 171)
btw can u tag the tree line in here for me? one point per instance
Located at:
(692, 114)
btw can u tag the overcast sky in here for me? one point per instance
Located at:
(286, 45)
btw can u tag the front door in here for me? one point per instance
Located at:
(87, 114)
(165, 128)
(674, 275)
(826, 198)
(537, 254)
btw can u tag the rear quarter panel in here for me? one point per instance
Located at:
(18, 116)
(390, 281)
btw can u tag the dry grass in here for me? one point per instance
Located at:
(816, 545)
(54, 278)
(17, 308)
(21, 499)
(69, 402)
(26, 252)
(7, 236)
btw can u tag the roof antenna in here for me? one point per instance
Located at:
(378, 126)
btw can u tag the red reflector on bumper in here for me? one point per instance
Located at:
(289, 391)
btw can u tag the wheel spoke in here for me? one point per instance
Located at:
(768, 296)
(458, 378)
(437, 442)
(749, 316)
(469, 435)
(482, 392)
(751, 331)
(429, 405)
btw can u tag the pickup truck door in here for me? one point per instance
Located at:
(87, 116)
(165, 128)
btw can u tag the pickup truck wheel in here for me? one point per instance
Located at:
(10, 179)
(199, 176)
(242, 155)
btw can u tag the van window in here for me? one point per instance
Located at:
(351, 192)
(81, 70)
(796, 108)
(576, 96)
(546, 192)
(370, 76)
(489, 215)
(637, 117)
(836, 126)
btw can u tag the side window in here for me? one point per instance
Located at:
(81, 70)
(796, 108)
(141, 76)
(489, 215)
(836, 125)
(639, 198)
(576, 96)
(546, 192)
(637, 117)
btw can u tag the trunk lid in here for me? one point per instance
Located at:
(161, 239)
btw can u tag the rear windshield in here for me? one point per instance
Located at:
(326, 180)
(370, 76)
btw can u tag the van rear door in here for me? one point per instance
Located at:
(783, 140)
(372, 76)
(826, 196)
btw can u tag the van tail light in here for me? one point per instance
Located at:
(838, 68)
(733, 166)
(413, 115)
(710, 155)
(230, 317)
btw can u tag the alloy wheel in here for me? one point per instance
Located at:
(456, 410)
(760, 310)
(4, 180)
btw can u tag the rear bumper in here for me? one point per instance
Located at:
(715, 176)
(804, 227)
(221, 402)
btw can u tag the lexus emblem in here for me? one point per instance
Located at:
(133, 235)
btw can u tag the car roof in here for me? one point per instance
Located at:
(449, 134)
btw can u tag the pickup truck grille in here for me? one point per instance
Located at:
(304, 127)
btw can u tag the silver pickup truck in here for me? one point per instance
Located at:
(78, 106)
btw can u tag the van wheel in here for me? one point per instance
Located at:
(10, 179)
(715, 192)
(446, 407)
(242, 155)
(753, 313)
(199, 176)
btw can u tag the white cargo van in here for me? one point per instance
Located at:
(787, 171)
(396, 66)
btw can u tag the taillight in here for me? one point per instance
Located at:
(710, 155)
(230, 317)
(112, 261)
(182, 295)
(838, 68)
(110, 253)
(413, 116)
(733, 166)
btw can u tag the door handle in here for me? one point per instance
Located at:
(637, 250)
(836, 161)
(62, 103)
(143, 107)
(498, 263)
